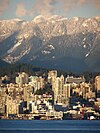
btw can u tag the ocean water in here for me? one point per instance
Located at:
(49, 126)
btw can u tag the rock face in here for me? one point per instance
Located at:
(52, 42)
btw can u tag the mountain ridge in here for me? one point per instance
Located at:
(52, 41)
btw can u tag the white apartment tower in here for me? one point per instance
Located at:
(97, 83)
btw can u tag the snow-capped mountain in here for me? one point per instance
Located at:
(52, 41)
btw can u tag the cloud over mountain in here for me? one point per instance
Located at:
(96, 3)
(50, 6)
(21, 10)
(4, 4)
(44, 7)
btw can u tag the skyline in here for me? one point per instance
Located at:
(49, 96)
(27, 10)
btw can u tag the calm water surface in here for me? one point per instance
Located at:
(44, 126)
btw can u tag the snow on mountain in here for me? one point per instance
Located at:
(9, 27)
(68, 43)
(75, 18)
(56, 18)
(51, 47)
(14, 47)
(39, 19)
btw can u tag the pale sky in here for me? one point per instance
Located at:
(28, 9)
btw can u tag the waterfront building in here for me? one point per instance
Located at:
(97, 102)
(85, 88)
(27, 92)
(37, 82)
(75, 80)
(22, 108)
(56, 90)
(0, 81)
(33, 107)
(66, 90)
(22, 78)
(2, 100)
(66, 94)
(90, 95)
(82, 89)
(61, 91)
(40, 105)
(11, 106)
(52, 75)
(2, 104)
(40, 83)
(52, 114)
(97, 83)
(6, 78)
